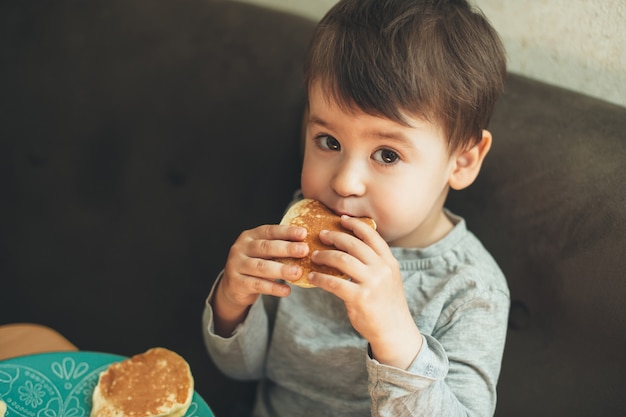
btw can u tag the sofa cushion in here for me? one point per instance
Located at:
(550, 205)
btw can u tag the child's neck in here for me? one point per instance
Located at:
(432, 230)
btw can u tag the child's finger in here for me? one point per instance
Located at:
(242, 287)
(340, 287)
(278, 232)
(269, 249)
(338, 259)
(365, 233)
(269, 269)
(267, 287)
(348, 243)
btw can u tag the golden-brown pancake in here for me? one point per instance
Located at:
(157, 382)
(315, 217)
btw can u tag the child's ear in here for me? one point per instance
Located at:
(467, 163)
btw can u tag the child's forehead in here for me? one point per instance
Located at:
(326, 114)
(322, 98)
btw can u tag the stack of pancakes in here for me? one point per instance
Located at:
(156, 383)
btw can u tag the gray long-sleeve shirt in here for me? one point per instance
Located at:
(311, 361)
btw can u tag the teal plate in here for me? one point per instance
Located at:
(60, 384)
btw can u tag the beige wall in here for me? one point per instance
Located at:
(576, 44)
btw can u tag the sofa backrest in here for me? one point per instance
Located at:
(138, 138)
(550, 205)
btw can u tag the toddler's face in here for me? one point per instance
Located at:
(363, 165)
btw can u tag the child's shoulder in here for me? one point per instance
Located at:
(459, 259)
(474, 262)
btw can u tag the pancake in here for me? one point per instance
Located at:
(155, 383)
(315, 217)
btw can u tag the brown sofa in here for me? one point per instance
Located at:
(139, 137)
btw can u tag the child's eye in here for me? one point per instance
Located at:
(328, 142)
(386, 156)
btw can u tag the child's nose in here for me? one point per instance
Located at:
(349, 179)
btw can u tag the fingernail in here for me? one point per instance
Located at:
(285, 290)
(295, 271)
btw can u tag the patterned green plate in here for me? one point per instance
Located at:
(60, 384)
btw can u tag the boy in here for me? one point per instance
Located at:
(399, 97)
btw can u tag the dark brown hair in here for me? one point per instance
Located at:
(436, 59)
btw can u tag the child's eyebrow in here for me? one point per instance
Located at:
(313, 120)
(390, 134)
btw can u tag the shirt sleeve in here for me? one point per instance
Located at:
(455, 372)
(242, 355)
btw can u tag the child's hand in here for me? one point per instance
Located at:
(250, 271)
(374, 296)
